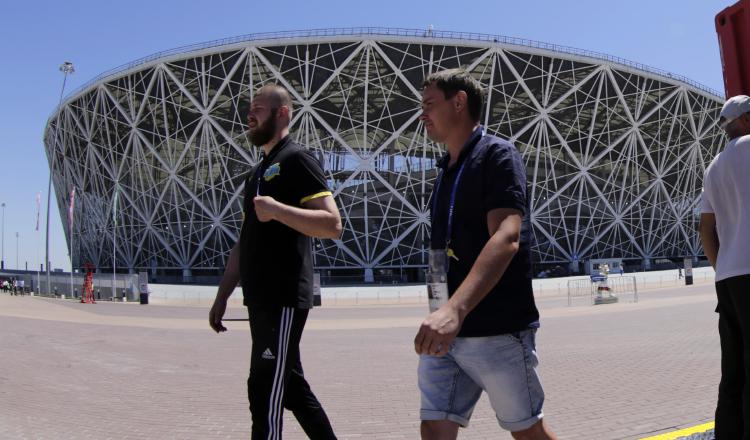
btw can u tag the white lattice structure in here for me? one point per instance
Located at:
(615, 151)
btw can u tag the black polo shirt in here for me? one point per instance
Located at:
(275, 260)
(494, 176)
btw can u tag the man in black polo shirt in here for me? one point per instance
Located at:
(480, 335)
(286, 202)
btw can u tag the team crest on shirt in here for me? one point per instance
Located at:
(272, 171)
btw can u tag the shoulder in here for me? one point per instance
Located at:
(300, 155)
(495, 151)
(494, 146)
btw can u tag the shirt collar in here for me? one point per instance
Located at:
(283, 142)
(465, 150)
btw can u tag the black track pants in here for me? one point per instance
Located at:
(276, 378)
(733, 409)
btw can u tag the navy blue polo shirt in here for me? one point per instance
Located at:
(494, 176)
(276, 262)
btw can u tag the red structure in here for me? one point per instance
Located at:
(733, 28)
(88, 285)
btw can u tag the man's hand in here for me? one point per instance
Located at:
(438, 331)
(265, 208)
(216, 314)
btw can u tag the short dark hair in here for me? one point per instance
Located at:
(278, 96)
(452, 81)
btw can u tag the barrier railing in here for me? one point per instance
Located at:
(602, 290)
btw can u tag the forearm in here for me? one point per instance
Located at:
(231, 276)
(316, 223)
(710, 241)
(486, 272)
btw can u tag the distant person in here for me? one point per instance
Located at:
(286, 202)
(725, 233)
(480, 334)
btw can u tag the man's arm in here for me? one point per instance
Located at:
(227, 285)
(709, 238)
(440, 327)
(318, 217)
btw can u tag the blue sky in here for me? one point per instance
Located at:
(37, 36)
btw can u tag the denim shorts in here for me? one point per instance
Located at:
(504, 366)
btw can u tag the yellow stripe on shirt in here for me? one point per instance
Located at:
(315, 196)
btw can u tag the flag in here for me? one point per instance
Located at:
(38, 204)
(71, 207)
(114, 206)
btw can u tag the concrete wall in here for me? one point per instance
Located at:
(407, 294)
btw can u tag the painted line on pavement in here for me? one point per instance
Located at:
(682, 432)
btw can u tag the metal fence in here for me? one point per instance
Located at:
(606, 291)
(125, 285)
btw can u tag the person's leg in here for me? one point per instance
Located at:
(438, 430)
(448, 395)
(270, 328)
(739, 290)
(505, 367)
(298, 397)
(729, 407)
(539, 431)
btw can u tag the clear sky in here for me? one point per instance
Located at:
(37, 36)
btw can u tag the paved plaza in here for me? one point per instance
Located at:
(130, 371)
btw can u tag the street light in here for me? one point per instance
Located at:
(17, 268)
(66, 68)
(2, 259)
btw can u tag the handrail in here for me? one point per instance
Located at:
(386, 31)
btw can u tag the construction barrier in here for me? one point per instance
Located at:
(733, 29)
(602, 290)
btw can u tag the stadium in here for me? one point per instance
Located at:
(615, 151)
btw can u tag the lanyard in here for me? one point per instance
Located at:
(257, 184)
(260, 174)
(452, 202)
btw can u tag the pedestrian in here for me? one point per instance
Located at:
(480, 334)
(724, 225)
(286, 202)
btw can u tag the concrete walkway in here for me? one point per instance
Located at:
(121, 371)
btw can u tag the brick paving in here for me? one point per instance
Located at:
(126, 371)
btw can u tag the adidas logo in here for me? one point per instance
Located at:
(267, 354)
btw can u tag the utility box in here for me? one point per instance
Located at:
(733, 29)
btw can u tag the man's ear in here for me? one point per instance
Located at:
(460, 101)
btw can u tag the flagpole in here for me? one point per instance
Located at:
(114, 258)
(71, 260)
(114, 240)
(72, 208)
(38, 266)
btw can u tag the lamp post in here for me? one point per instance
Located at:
(66, 68)
(17, 268)
(2, 259)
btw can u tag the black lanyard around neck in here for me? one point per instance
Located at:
(452, 202)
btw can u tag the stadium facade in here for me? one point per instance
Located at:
(615, 151)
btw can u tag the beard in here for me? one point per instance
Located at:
(263, 133)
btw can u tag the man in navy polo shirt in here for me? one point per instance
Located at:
(286, 202)
(481, 336)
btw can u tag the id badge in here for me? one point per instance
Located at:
(437, 279)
